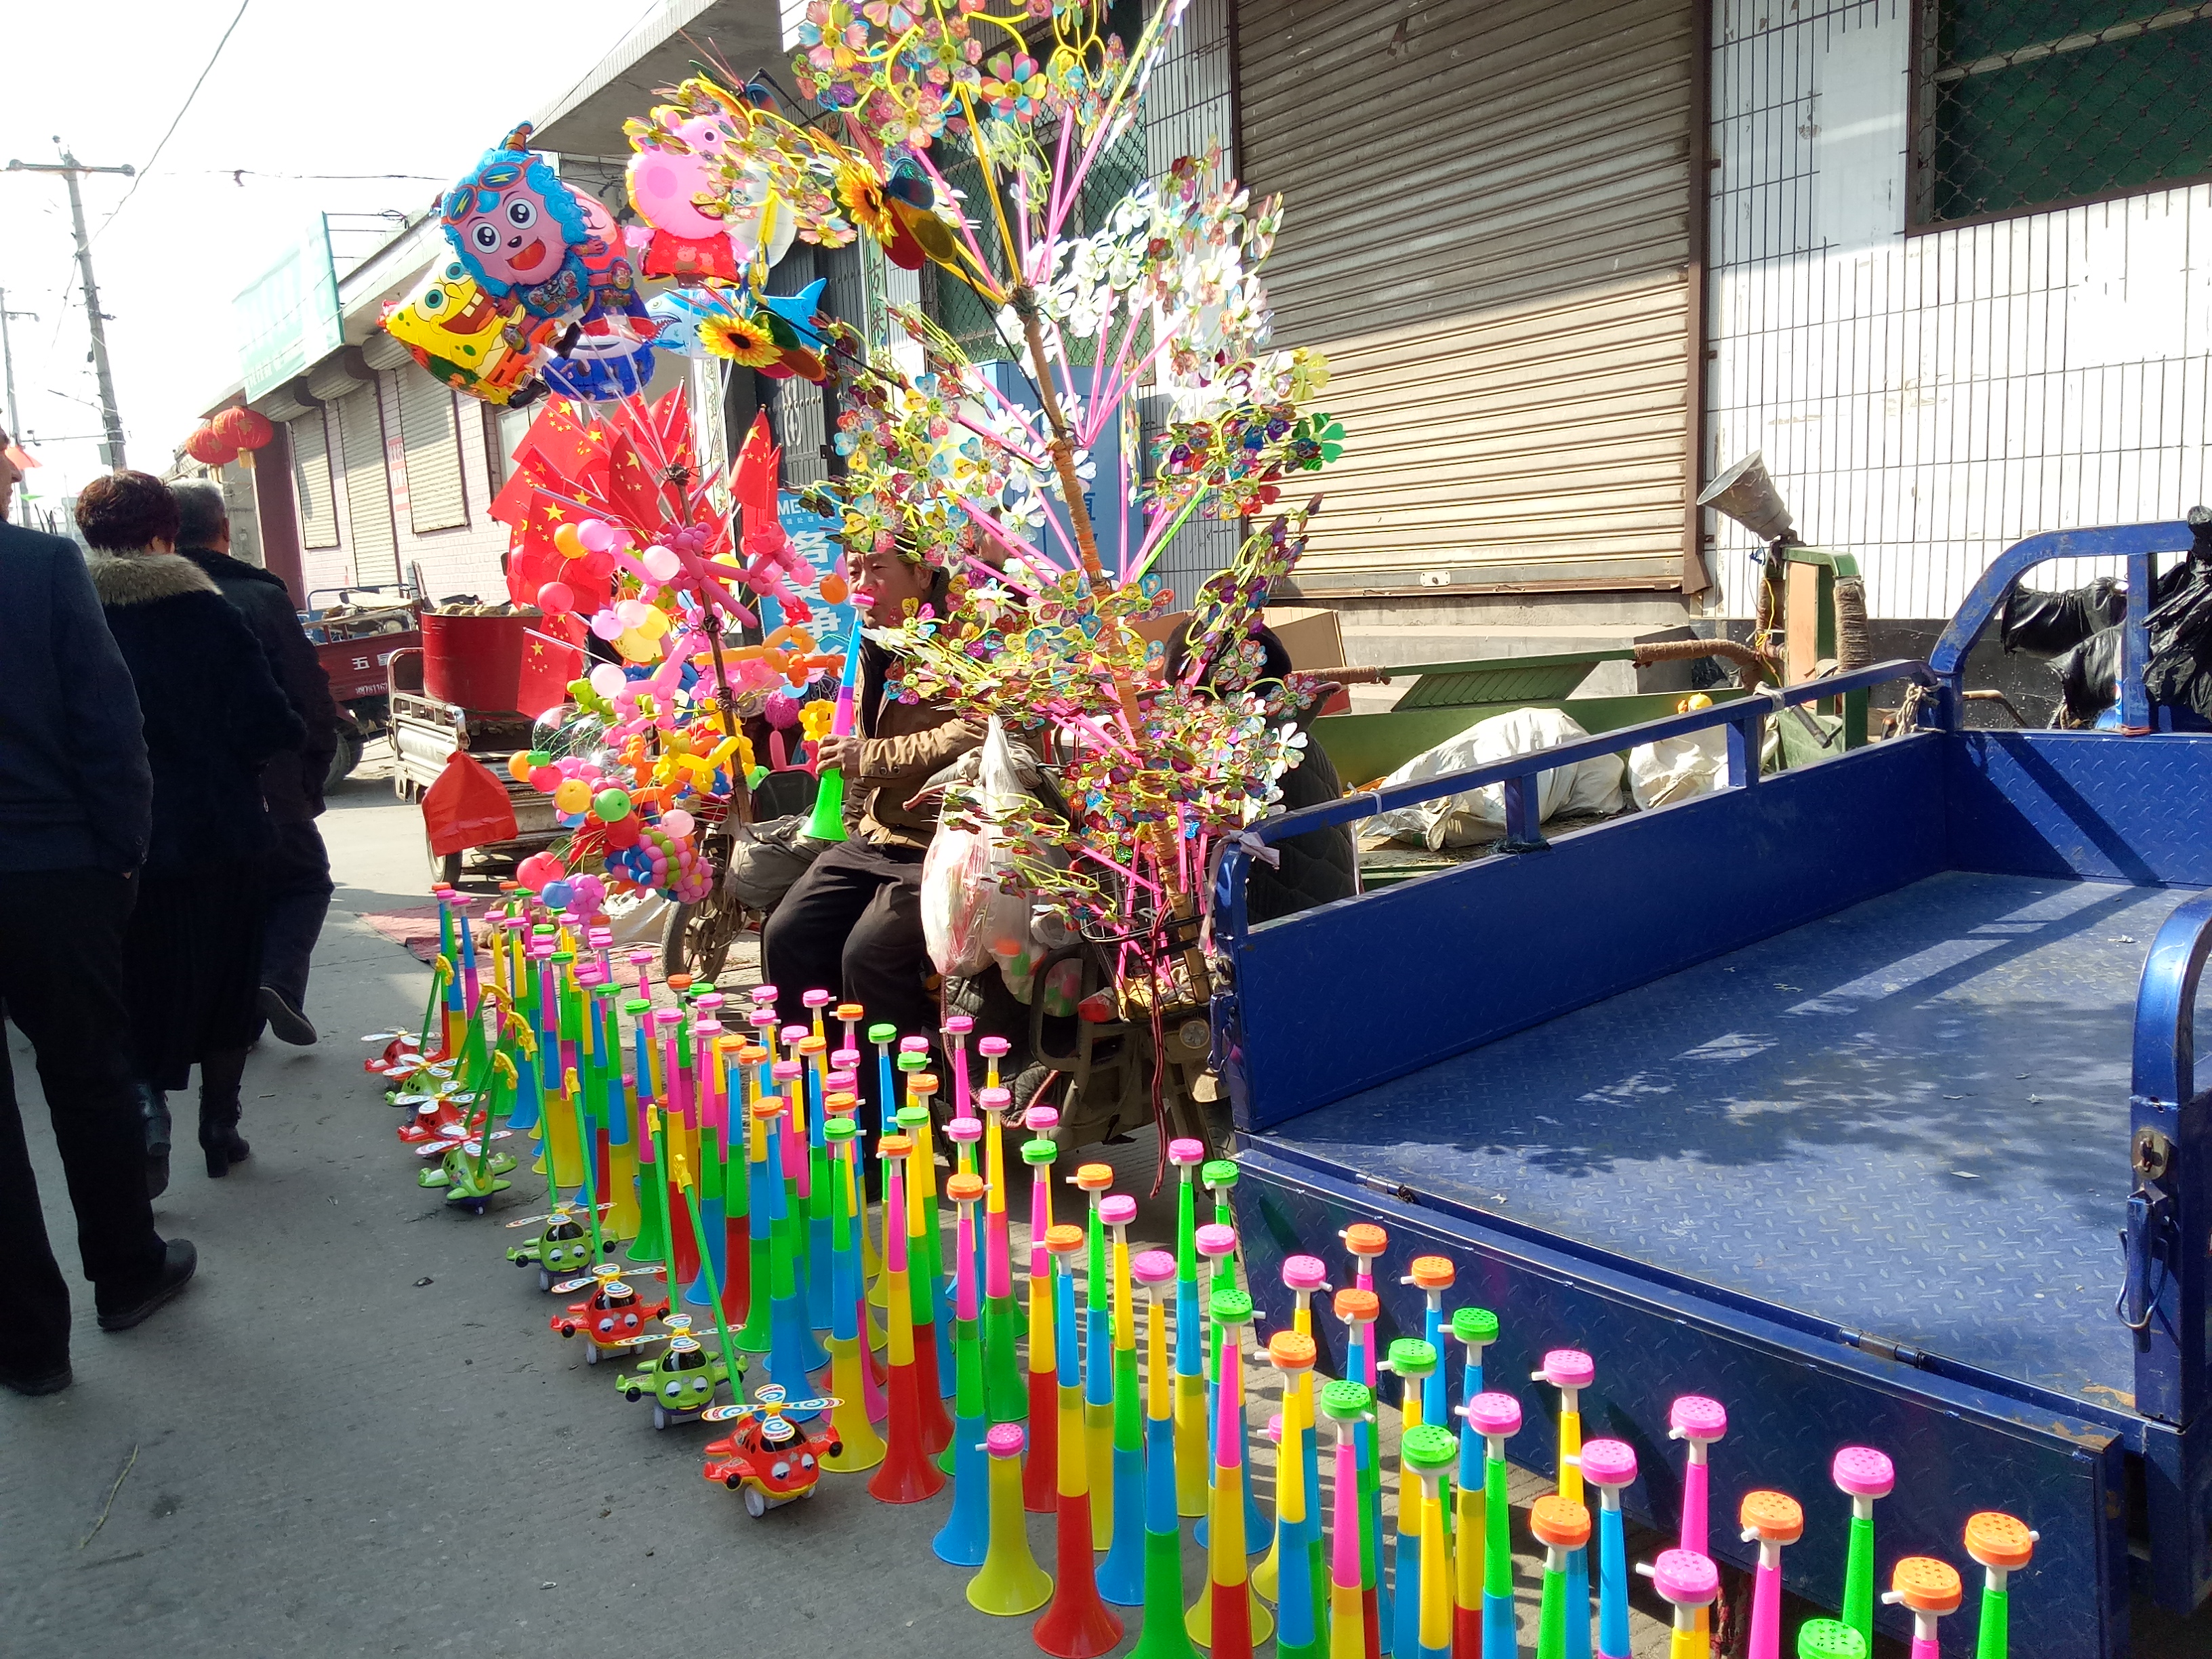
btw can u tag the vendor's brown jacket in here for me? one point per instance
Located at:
(909, 743)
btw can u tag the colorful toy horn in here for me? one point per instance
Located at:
(1300, 1632)
(2002, 1545)
(1698, 1422)
(907, 1475)
(1040, 1478)
(1164, 1637)
(1011, 1583)
(1121, 1574)
(1864, 1476)
(1497, 1418)
(1570, 1370)
(1346, 1404)
(1239, 1620)
(1093, 1180)
(860, 1446)
(1926, 1589)
(1475, 1328)
(1770, 1519)
(1077, 1624)
(1562, 1526)
(964, 1540)
(1688, 1582)
(1190, 1438)
(1413, 1362)
(1610, 1466)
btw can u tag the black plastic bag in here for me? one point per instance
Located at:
(2045, 624)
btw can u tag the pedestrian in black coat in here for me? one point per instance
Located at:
(213, 715)
(298, 870)
(74, 799)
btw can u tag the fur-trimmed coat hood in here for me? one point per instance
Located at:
(140, 577)
(213, 711)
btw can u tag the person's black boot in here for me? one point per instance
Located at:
(154, 1114)
(220, 1076)
(134, 1304)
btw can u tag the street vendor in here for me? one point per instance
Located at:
(853, 922)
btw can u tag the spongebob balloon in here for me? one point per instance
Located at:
(519, 230)
(468, 339)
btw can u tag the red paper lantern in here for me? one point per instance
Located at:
(208, 447)
(242, 428)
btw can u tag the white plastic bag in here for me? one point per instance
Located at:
(967, 909)
(1591, 786)
(1678, 769)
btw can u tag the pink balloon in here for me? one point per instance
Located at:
(660, 563)
(677, 822)
(557, 598)
(597, 535)
(608, 680)
(607, 625)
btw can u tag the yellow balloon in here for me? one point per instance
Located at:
(655, 623)
(572, 796)
(637, 646)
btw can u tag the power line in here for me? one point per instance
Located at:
(155, 157)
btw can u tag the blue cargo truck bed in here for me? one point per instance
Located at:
(1859, 1097)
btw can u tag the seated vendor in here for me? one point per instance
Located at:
(1318, 866)
(852, 924)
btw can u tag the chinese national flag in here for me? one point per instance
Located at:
(552, 655)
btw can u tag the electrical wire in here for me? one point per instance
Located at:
(145, 172)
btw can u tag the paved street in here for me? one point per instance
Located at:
(355, 1436)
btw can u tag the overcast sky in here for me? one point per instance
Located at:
(323, 87)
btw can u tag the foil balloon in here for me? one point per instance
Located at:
(677, 316)
(674, 180)
(519, 230)
(609, 356)
(461, 333)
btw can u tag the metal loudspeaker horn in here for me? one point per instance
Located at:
(1747, 495)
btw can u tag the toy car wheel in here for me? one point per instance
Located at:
(544, 1280)
(660, 1418)
(756, 1505)
(734, 1481)
(635, 1395)
(837, 1449)
(591, 1350)
(811, 1491)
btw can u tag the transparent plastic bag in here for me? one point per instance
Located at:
(971, 897)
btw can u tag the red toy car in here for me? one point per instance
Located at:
(611, 1319)
(771, 1459)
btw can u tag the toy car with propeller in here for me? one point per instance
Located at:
(612, 1320)
(771, 1459)
(563, 1249)
(682, 1379)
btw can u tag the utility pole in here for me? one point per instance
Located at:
(7, 356)
(71, 170)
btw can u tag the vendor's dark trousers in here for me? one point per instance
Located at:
(853, 924)
(298, 889)
(61, 978)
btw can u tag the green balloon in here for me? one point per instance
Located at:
(612, 805)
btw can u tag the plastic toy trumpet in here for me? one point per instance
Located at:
(1610, 1466)
(1040, 1477)
(1475, 1328)
(1300, 1634)
(1302, 1275)
(1687, 1581)
(1239, 1619)
(1562, 1526)
(1077, 1626)
(2002, 1545)
(827, 821)
(1497, 1418)
(1926, 1589)
(1358, 1309)
(1346, 1404)
(1570, 1370)
(1164, 1637)
(1864, 1475)
(1011, 1583)
(964, 1539)
(860, 1447)
(1190, 1434)
(1413, 1362)
(1697, 1422)
(1097, 1443)
(1770, 1519)
(907, 1475)
(1121, 1574)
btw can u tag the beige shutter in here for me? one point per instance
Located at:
(1487, 227)
(311, 481)
(429, 429)
(367, 488)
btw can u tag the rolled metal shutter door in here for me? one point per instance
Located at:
(367, 488)
(1488, 229)
(311, 481)
(430, 434)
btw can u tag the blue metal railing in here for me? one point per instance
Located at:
(2136, 543)
(1743, 718)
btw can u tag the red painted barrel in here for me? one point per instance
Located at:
(473, 661)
